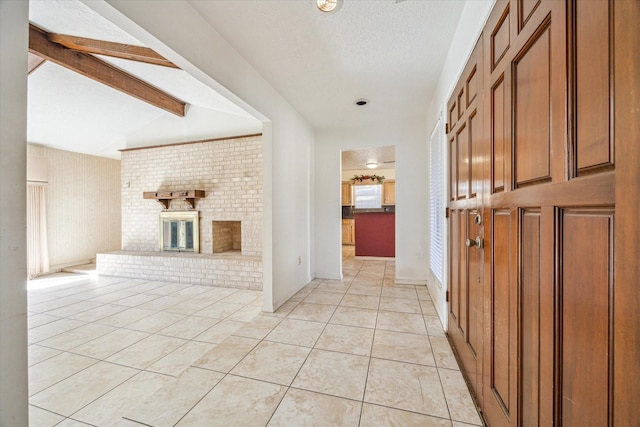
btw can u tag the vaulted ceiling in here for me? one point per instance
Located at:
(388, 52)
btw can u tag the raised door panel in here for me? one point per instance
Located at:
(591, 65)
(453, 169)
(463, 164)
(454, 269)
(474, 288)
(532, 106)
(499, 135)
(500, 34)
(586, 319)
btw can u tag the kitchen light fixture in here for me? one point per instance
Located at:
(361, 102)
(372, 165)
(328, 6)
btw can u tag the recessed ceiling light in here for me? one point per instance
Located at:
(361, 102)
(328, 6)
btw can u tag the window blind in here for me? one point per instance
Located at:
(436, 193)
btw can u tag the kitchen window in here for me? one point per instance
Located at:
(368, 196)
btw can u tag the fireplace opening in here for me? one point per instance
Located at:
(227, 236)
(179, 231)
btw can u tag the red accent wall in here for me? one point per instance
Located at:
(375, 234)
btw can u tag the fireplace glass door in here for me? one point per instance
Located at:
(179, 231)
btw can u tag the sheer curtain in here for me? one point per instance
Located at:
(37, 247)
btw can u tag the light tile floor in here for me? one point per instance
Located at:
(107, 351)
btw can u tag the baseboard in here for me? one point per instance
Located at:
(400, 281)
(328, 276)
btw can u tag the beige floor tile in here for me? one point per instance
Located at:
(219, 310)
(164, 288)
(354, 317)
(235, 401)
(333, 286)
(189, 327)
(172, 401)
(51, 305)
(113, 296)
(220, 331)
(38, 353)
(365, 289)
(73, 393)
(300, 295)
(296, 332)
(369, 302)
(423, 293)
(75, 337)
(69, 422)
(337, 374)
(191, 291)
(180, 359)
(101, 312)
(71, 309)
(367, 280)
(56, 369)
(428, 309)
(319, 297)
(403, 347)
(190, 306)
(282, 362)
(41, 418)
(346, 339)
(126, 317)
(156, 322)
(401, 322)
(313, 312)
(41, 333)
(402, 305)
(108, 409)
(406, 386)
(380, 416)
(459, 424)
(304, 408)
(242, 297)
(40, 319)
(145, 352)
(259, 327)
(216, 294)
(434, 327)
(109, 344)
(400, 291)
(246, 313)
(224, 356)
(461, 406)
(163, 302)
(136, 300)
(443, 353)
(285, 309)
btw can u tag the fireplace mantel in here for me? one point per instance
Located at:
(165, 197)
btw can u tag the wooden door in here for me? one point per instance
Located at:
(561, 302)
(466, 220)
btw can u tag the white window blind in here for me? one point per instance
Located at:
(436, 193)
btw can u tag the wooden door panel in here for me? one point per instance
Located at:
(453, 170)
(474, 289)
(463, 276)
(463, 164)
(586, 318)
(526, 8)
(500, 34)
(530, 328)
(499, 136)
(454, 269)
(500, 363)
(476, 155)
(590, 64)
(532, 105)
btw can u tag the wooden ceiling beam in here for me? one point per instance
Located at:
(33, 62)
(101, 71)
(116, 50)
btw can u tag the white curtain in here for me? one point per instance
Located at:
(37, 247)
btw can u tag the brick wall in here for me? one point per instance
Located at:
(230, 173)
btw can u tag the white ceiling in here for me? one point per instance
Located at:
(357, 159)
(390, 53)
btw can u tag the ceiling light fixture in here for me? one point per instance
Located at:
(372, 165)
(328, 6)
(361, 102)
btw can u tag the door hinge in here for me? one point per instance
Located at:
(446, 212)
(446, 296)
(446, 128)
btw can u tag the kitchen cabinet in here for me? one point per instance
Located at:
(389, 192)
(346, 193)
(348, 232)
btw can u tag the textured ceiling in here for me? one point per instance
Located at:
(390, 53)
(357, 159)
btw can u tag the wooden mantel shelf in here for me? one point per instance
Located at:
(165, 197)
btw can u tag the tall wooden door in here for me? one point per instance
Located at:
(466, 219)
(559, 323)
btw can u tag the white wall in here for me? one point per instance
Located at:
(474, 16)
(411, 174)
(82, 204)
(13, 212)
(180, 34)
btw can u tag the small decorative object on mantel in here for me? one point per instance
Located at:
(366, 178)
(165, 197)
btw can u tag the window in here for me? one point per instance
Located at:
(368, 196)
(436, 193)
